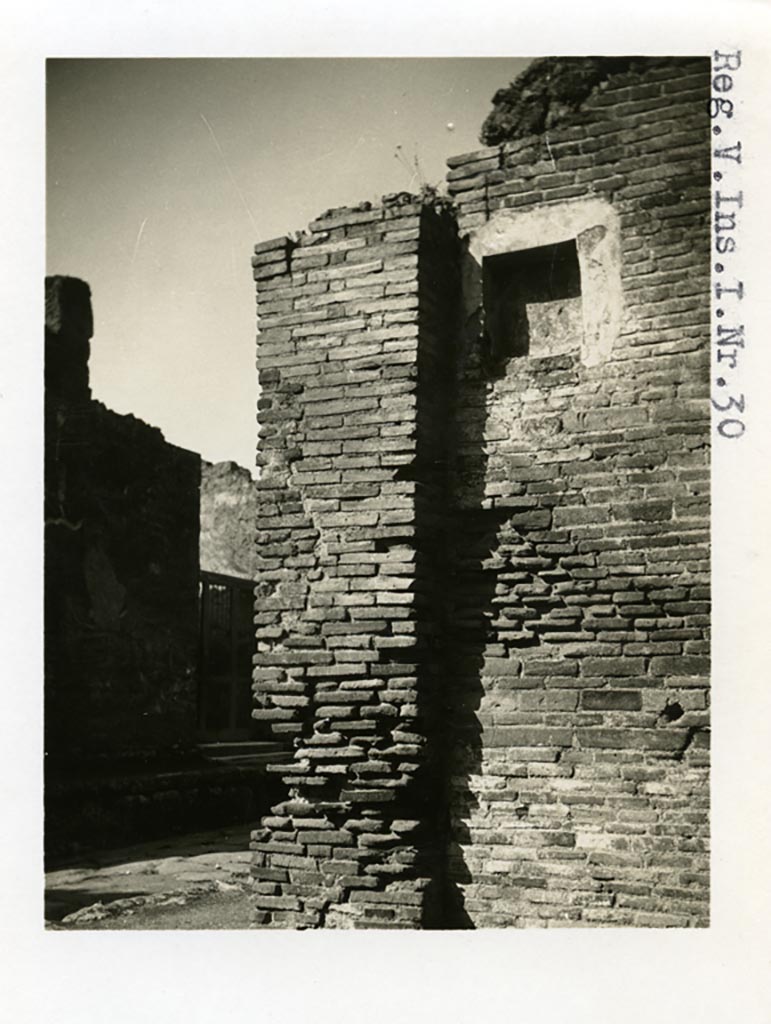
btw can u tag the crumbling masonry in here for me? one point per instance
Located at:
(483, 535)
(139, 534)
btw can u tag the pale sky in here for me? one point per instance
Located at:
(162, 174)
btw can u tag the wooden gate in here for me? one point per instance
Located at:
(225, 667)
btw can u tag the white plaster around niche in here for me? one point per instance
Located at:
(594, 224)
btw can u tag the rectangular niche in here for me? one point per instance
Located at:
(532, 301)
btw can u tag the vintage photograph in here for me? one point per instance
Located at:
(377, 514)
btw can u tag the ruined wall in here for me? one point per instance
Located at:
(229, 511)
(578, 711)
(483, 603)
(345, 610)
(121, 562)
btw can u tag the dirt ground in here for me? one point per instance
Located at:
(198, 881)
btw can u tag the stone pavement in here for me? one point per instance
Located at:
(193, 881)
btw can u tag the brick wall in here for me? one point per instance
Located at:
(482, 612)
(579, 700)
(346, 619)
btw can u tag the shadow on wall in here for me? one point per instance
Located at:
(492, 542)
(471, 584)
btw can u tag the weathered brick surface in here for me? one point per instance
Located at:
(484, 585)
(229, 508)
(581, 557)
(347, 608)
